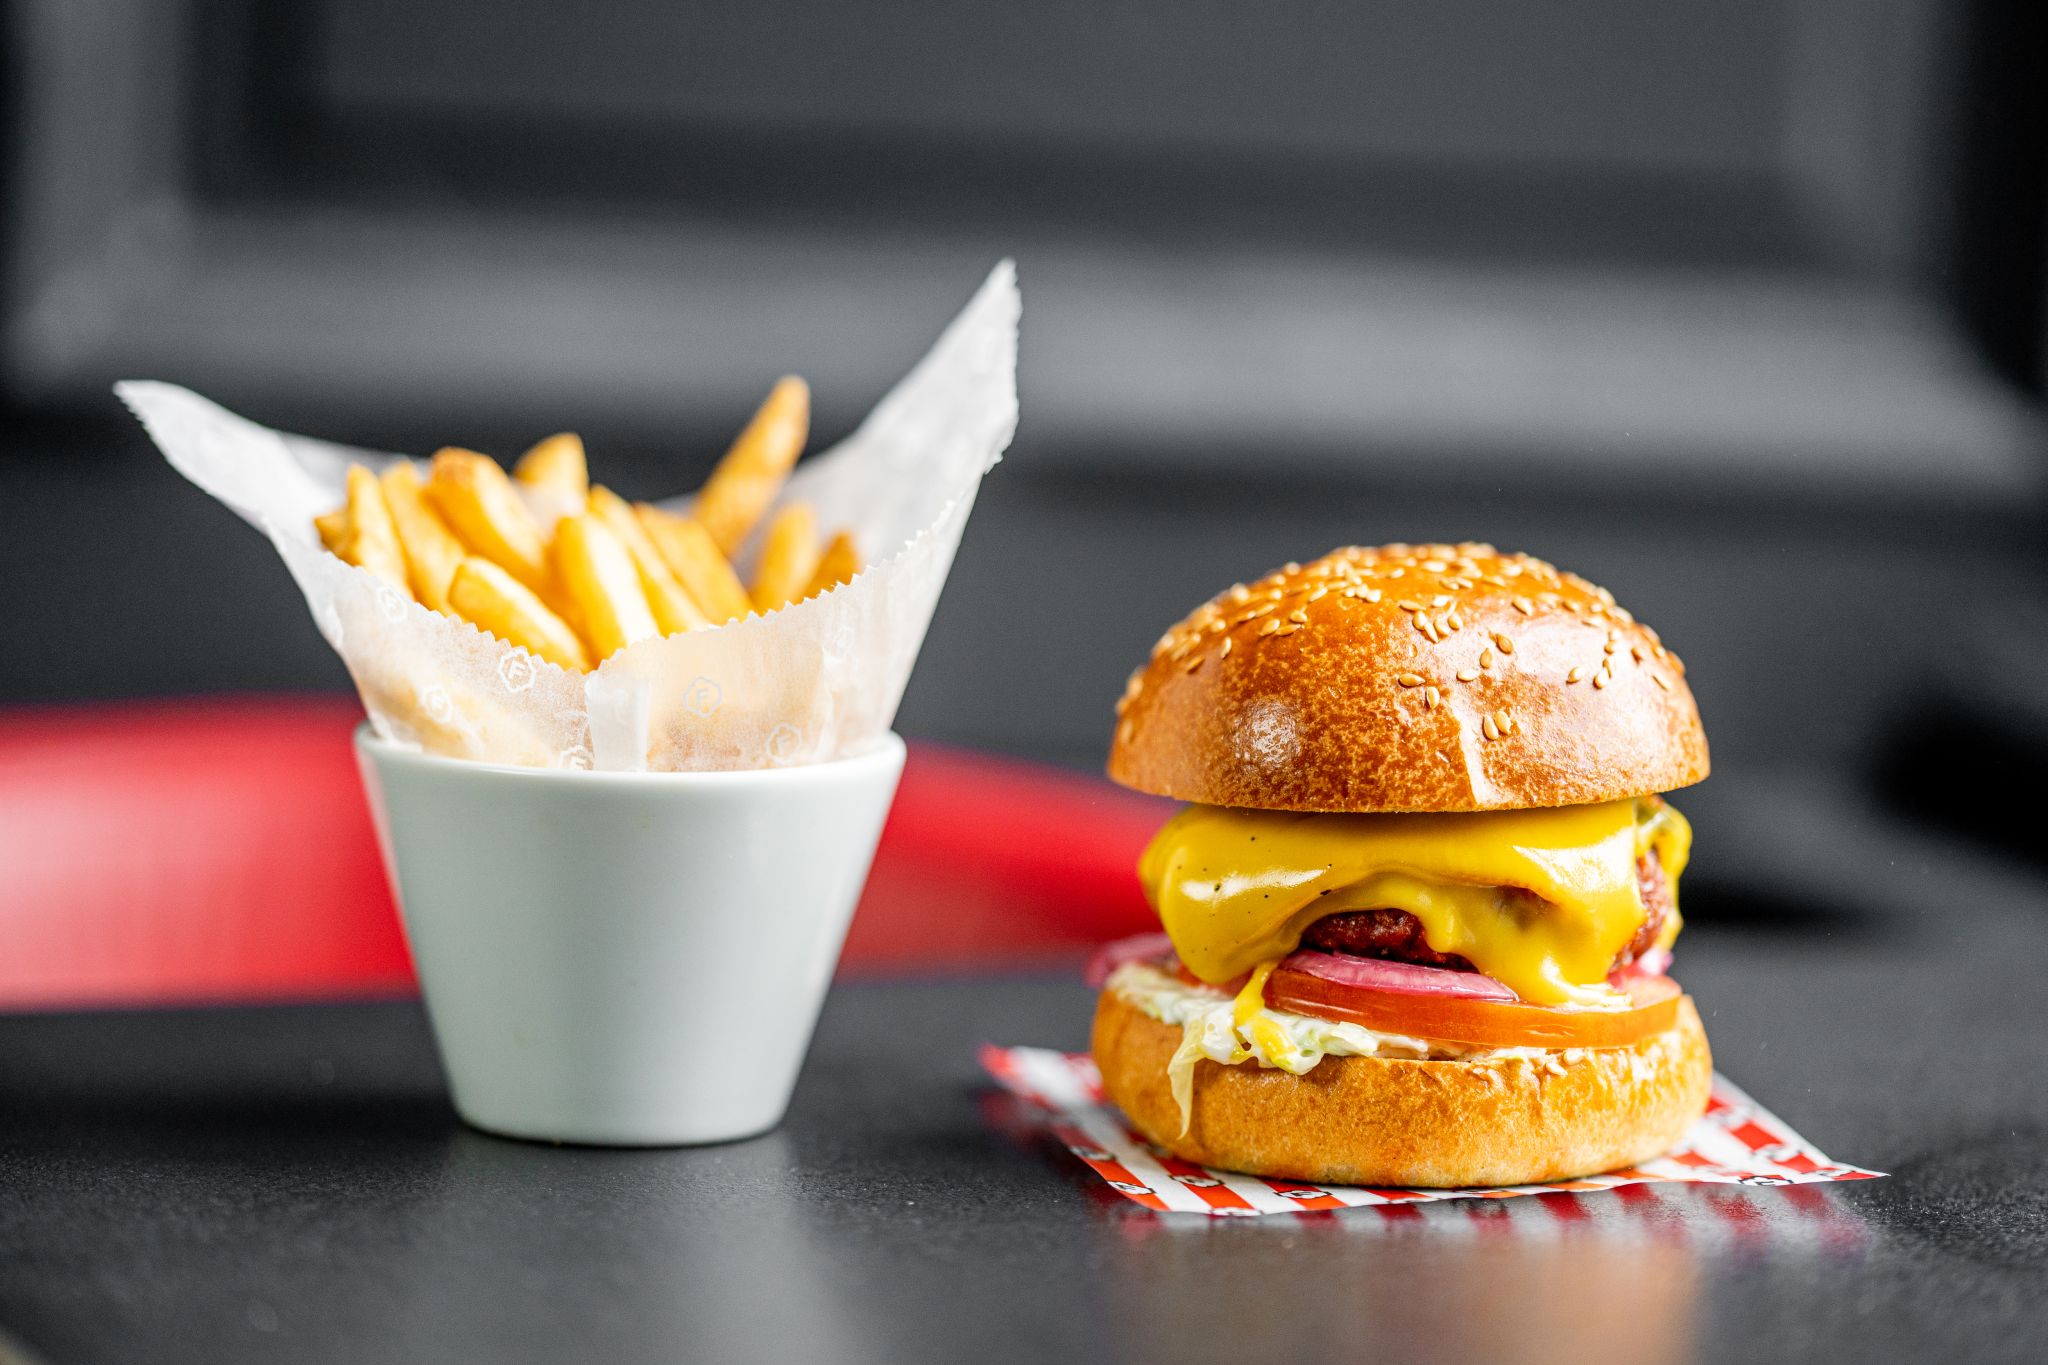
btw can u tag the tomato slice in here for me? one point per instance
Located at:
(1481, 1023)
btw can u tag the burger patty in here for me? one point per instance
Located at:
(1397, 935)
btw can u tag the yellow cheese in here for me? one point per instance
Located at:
(1236, 888)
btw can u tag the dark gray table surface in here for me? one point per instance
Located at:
(291, 1184)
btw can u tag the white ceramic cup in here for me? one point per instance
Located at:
(632, 959)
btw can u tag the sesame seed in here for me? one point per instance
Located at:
(1240, 594)
(1636, 653)
(1319, 594)
(1409, 604)
(1433, 697)
(1658, 678)
(1608, 647)
(1410, 680)
(1196, 662)
(1269, 627)
(1489, 728)
(1435, 565)
(1372, 594)
(1600, 680)
(1266, 610)
(1575, 675)
(1503, 644)
(1504, 722)
(1224, 652)
(1440, 601)
(1455, 621)
(1468, 675)
(1486, 658)
(1125, 731)
(1290, 567)
(1523, 606)
(1298, 616)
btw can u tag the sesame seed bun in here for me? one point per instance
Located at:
(1409, 678)
(1367, 1121)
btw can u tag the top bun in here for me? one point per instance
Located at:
(1409, 678)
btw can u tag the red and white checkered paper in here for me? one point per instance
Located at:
(1737, 1142)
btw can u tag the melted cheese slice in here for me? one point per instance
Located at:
(1235, 888)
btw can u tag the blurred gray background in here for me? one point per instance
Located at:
(1735, 308)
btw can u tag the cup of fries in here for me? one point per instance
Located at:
(628, 760)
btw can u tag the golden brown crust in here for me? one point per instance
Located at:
(1366, 1121)
(1411, 677)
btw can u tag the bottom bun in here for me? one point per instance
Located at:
(1369, 1121)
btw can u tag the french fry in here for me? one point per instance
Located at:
(598, 573)
(747, 479)
(333, 528)
(674, 609)
(556, 463)
(789, 556)
(555, 478)
(493, 600)
(480, 505)
(839, 563)
(694, 558)
(372, 540)
(432, 553)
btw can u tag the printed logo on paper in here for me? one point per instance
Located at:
(389, 604)
(702, 696)
(841, 644)
(517, 670)
(434, 700)
(785, 741)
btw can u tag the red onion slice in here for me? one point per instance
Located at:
(1110, 956)
(1656, 962)
(1395, 978)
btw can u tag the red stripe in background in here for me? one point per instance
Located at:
(216, 850)
(212, 850)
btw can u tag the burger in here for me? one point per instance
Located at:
(1419, 911)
